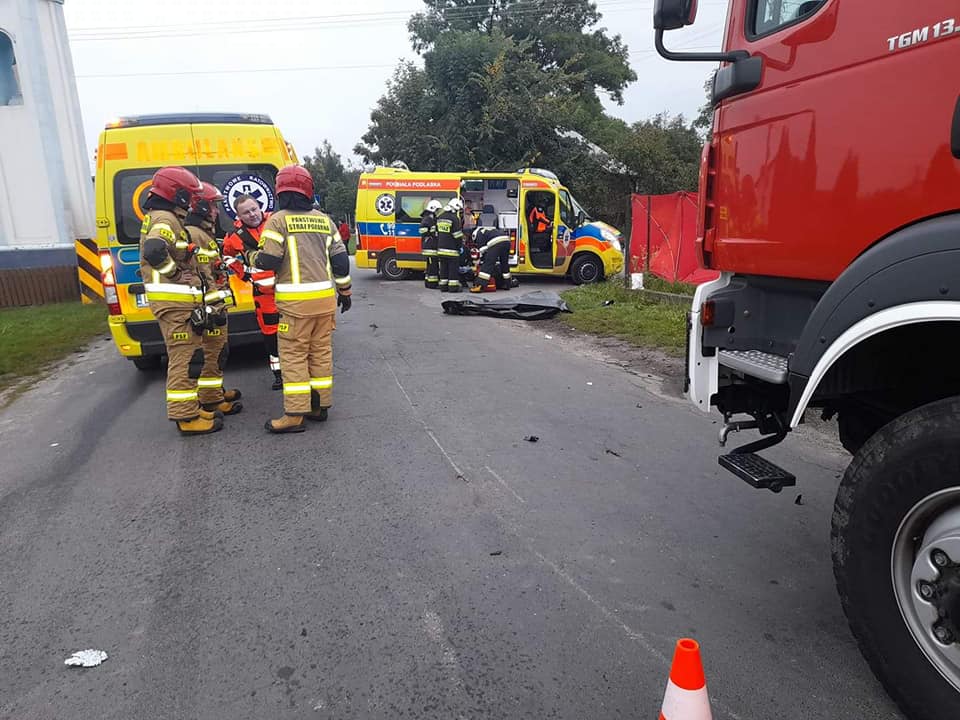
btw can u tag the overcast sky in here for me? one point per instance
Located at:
(317, 67)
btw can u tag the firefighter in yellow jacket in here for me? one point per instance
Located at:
(201, 227)
(174, 292)
(302, 246)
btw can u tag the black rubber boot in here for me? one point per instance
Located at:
(277, 381)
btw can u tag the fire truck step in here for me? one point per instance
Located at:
(756, 363)
(757, 471)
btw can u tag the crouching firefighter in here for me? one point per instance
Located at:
(428, 243)
(217, 297)
(236, 247)
(302, 246)
(494, 248)
(449, 245)
(174, 292)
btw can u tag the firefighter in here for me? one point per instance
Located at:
(428, 243)
(449, 245)
(201, 227)
(494, 248)
(236, 246)
(174, 292)
(312, 267)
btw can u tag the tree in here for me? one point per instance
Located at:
(704, 120)
(557, 33)
(333, 182)
(480, 102)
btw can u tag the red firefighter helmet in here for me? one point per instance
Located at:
(294, 178)
(205, 200)
(175, 184)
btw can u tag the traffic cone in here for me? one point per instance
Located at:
(686, 696)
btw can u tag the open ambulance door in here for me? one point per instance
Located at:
(541, 247)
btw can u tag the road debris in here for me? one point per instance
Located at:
(495, 553)
(86, 658)
(799, 500)
(607, 303)
(532, 438)
(549, 337)
(374, 326)
(608, 451)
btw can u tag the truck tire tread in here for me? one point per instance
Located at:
(867, 512)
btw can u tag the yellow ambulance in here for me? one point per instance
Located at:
(390, 201)
(238, 153)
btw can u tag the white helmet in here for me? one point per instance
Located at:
(455, 204)
(433, 206)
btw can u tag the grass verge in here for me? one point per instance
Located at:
(31, 337)
(631, 316)
(652, 282)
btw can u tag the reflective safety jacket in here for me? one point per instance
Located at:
(539, 221)
(428, 234)
(311, 263)
(487, 237)
(449, 234)
(209, 266)
(169, 274)
(239, 244)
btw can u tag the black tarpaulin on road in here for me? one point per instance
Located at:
(537, 305)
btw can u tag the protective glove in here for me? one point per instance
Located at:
(344, 302)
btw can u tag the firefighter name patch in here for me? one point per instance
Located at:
(307, 223)
(283, 327)
(180, 336)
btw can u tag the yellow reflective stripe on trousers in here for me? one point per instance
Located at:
(210, 382)
(296, 388)
(448, 253)
(294, 259)
(341, 281)
(181, 395)
(321, 383)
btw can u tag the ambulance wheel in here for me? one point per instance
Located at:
(896, 557)
(586, 269)
(389, 268)
(147, 363)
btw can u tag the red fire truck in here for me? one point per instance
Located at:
(830, 204)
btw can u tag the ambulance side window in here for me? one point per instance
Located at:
(233, 180)
(128, 215)
(410, 204)
(567, 216)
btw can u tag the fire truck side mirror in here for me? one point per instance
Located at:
(674, 14)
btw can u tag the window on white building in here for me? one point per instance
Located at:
(9, 78)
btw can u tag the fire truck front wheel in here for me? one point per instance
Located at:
(389, 268)
(896, 555)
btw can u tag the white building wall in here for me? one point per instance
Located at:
(46, 196)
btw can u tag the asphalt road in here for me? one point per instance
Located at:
(414, 557)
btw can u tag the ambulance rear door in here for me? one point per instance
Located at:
(131, 156)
